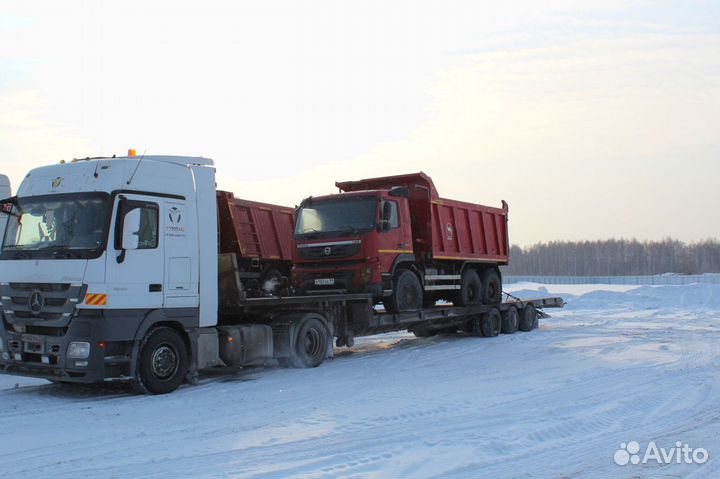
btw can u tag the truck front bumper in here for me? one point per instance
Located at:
(340, 279)
(43, 353)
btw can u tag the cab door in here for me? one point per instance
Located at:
(181, 254)
(134, 278)
(395, 237)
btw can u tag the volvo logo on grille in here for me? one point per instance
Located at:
(327, 251)
(36, 302)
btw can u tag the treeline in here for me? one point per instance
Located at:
(615, 258)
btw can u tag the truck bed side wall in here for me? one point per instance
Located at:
(469, 232)
(255, 230)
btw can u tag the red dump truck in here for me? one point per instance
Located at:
(396, 238)
(258, 236)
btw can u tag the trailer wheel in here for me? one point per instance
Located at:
(162, 362)
(491, 287)
(311, 343)
(474, 325)
(528, 318)
(407, 294)
(491, 323)
(471, 289)
(510, 320)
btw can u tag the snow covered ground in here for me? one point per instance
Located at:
(618, 364)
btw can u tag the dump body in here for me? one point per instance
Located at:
(255, 230)
(442, 228)
(259, 234)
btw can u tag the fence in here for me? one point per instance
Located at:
(660, 280)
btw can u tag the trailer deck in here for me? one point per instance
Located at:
(353, 315)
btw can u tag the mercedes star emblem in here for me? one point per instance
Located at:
(37, 302)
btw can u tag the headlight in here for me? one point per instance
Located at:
(366, 275)
(78, 350)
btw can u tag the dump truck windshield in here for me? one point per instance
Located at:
(338, 216)
(57, 226)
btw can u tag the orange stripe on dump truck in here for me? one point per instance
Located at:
(96, 299)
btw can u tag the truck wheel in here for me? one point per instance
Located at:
(407, 294)
(528, 317)
(162, 362)
(510, 320)
(474, 325)
(491, 323)
(491, 287)
(471, 289)
(311, 343)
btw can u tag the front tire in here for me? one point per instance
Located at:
(162, 362)
(407, 294)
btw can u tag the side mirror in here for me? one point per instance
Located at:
(387, 211)
(131, 230)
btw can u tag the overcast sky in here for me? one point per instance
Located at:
(592, 119)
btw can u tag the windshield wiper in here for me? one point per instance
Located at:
(65, 253)
(20, 253)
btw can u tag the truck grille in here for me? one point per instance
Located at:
(330, 251)
(39, 301)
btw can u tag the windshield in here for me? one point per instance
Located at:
(346, 215)
(71, 226)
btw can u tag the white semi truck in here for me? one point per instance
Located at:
(111, 271)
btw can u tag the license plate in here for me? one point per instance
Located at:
(324, 281)
(33, 344)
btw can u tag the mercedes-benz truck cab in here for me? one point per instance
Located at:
(97, 253)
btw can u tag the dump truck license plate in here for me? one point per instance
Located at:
(324, 281)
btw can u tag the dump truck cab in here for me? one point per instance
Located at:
(350, 242)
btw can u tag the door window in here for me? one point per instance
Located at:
(149, 223)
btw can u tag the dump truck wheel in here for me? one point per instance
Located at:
(528, 317)
(471, 289)
(311, 343)
(491, 323)
(491, 287)
(162, 362)
(407, 294)
(510, 320)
